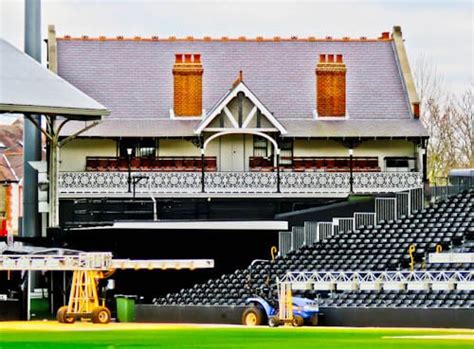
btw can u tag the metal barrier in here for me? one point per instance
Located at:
(363, 219)
(403, 204)
(385, 209)
(444, 187)
(324, 230)
(417, 200)
(310, 233)
(343, 224)
(297, 237)
(284, 243)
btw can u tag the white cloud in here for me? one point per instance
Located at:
(442, 30)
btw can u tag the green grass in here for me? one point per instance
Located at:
(258, 338)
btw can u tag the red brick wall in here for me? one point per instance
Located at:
(187, 74)
(331, 86)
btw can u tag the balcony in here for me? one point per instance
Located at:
(285, 183)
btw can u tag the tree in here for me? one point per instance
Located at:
(448, 119)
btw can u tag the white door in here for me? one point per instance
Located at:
(232, 153)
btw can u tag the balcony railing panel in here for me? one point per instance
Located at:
(240, 182)
(384, 182)
(291, 183)
(117, 182)
(314, 182)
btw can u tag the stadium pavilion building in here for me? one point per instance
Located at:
(211, 143)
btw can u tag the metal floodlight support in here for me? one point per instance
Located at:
(52, 131)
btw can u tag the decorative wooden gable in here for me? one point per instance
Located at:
(240, 110)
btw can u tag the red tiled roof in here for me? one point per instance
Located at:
(385, 36)
(6, 172)
(11, 157)
(10, 135)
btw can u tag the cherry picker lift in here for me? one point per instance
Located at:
(88, 268)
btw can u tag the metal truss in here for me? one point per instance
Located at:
(98, 261)
(376, 280)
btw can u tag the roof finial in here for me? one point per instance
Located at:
(239, 79)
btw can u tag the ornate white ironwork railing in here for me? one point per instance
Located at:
(314, 182)
(117, 182)
(382, 182)
(91, 182)
(240, 182)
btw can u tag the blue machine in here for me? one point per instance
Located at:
(305, 311)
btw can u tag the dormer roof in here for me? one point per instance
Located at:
(224, 101)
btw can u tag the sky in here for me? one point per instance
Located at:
(441, 31)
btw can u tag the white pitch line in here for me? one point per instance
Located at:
(441, 336)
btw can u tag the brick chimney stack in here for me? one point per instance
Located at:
(331, 85)
(187, 76)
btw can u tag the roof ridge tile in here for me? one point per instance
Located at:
(383, 37)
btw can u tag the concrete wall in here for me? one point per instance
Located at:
(73, 154)
(354, 317)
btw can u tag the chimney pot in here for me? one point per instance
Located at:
(179, 58)
(322, 58)
(187, 58)
(397, 30)
(197, 58)
(331, 58)
(385, 36)
(339, 59)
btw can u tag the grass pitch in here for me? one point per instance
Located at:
(119, 336)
